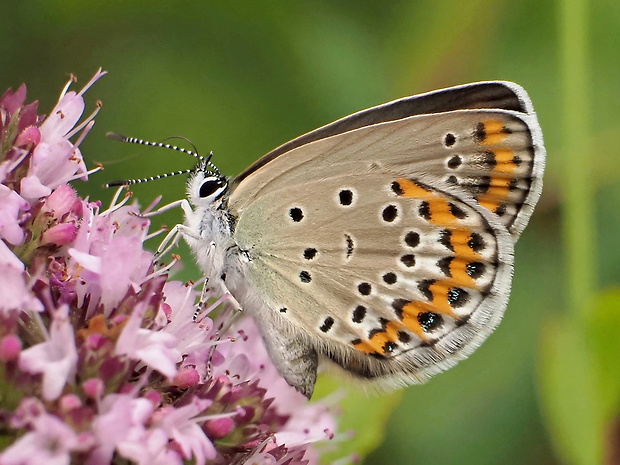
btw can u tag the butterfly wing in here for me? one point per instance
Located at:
(498, 156)
(387, 248)
(389, 285)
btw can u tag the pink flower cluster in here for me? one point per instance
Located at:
(100, 359)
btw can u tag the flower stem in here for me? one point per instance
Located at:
(579, 210)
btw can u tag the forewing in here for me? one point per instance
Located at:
(494, 156)
(499, 95)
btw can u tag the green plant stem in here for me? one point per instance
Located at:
(579, 214)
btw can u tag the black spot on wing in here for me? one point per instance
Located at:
(345, 197)
(359, 314)
(327, 324)
(390, 278)
(296, 214)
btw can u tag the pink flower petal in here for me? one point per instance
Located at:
(16, 294)
(30, 135)
(180, 426)
(122, 419)
(87, 261)
(61, 234)
(11, 204)
(53, 163)
(8, 258)
(31, 188)
(50, 441)
(55, 358)
(63, 117)
(155, 349)
(63, 200)
(12, 101)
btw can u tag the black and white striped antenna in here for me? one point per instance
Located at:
(203, 162)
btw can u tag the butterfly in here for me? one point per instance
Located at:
(380, 244)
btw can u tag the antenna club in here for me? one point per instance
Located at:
(118, 183)
(116, 136)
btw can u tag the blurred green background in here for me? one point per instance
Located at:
(240, 78)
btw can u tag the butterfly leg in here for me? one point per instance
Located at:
(220, 331)
(227, 296)
(165, 208)
(227, 320)
(172, 239)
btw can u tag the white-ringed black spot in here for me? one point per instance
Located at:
(389, 347)
(475, 269)
(429, 321)
(310, 253)
(390, 278)
(408, 260)
(296, 214)
(454, 162)
(359, 314)
(457, 297)
(345, 197)
(424, 210)
(457, 211)
(412, 239)
(327, 324)
(305, 277)
(364, 288)
(452, 180)
(396, 188)
(449, 139)
(476, 242)
(389, 213)
(283, 310)
(350, 245)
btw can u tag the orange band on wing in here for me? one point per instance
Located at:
(492, 132)
(440, 211)
(377, 343)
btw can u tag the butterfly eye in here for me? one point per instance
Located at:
(209, 187)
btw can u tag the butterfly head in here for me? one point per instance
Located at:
(207, 186)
